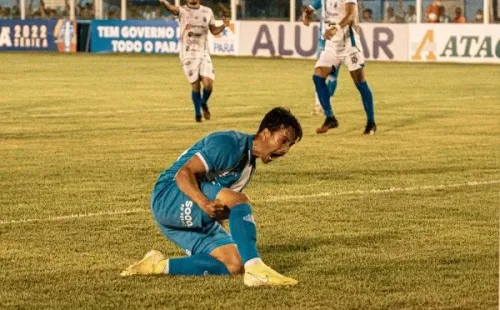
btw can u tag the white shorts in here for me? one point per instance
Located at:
(353, 60)
(194, 68)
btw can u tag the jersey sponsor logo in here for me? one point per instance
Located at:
(185, 216)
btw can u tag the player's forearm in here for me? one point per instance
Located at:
(187, 183)
(349, 16)
(215, 30)
(172, 8)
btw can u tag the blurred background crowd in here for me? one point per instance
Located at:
(370, 11)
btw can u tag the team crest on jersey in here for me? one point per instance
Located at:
(204, 19)
(188, 26)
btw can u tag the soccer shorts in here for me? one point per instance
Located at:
(353, 59)
(183, 222)
(194, 68)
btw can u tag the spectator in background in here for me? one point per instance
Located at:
(367, 16)
(459, 17)
(479, 16)
(432, 12)
(148, 13)
(443, 18)
(411, 17)
(389, 15)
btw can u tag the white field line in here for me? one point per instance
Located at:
(271, 199)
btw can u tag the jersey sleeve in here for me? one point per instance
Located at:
(211, 18)
(316, 4)
(220, 152)
(351, 1)
(182, 13)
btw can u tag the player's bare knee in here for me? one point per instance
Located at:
(231, 198)
(208, 83)
(196, 86)
(358, 76)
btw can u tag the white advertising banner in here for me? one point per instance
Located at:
(294, 40)
(455, 43)
(226, 42)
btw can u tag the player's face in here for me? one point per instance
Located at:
(276, 144)
(193, 3)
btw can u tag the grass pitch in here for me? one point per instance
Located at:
(406, 219)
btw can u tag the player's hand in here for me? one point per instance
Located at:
(330, 33)
(305, 19)
(213, 207)
(226, 20)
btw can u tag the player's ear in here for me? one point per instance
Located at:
(266, 133)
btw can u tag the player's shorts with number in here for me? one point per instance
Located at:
(194, 68)
(354, 60)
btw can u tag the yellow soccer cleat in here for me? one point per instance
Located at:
(263, 275)
(153, 263)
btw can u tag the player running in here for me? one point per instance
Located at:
(342, 46)
(203, 186)
(333, 77)
(195, 21)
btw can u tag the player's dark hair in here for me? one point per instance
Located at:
(279, 118)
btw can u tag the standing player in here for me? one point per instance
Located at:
(195, 21)
(332, 78)
(204, 185)
(342, 46)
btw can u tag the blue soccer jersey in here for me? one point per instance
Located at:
(228, 160)
(227, 156)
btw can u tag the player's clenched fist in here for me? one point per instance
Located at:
(213, 207)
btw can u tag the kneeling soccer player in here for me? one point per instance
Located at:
(203, 186)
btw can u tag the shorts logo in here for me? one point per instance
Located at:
(190, 73)
(186, 218)
(187, 63)
(354, 59)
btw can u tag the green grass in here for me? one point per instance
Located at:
(90, 134)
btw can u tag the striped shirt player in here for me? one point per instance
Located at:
(195, 21)
(204, 186)
(333, 77)
(342, 46)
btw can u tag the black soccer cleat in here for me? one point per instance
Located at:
(198, 118)
(330, 122)
(206, 112)
(370, 129)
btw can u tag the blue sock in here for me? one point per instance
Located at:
(323, 95)
(196, 96)
(206, 94)
(332, 82)
(367, 98)
(243, 231)
(196, 265)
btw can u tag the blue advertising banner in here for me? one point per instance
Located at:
(134, 36)
(37, 35)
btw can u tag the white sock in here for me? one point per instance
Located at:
(165, 271)
(253, 261)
